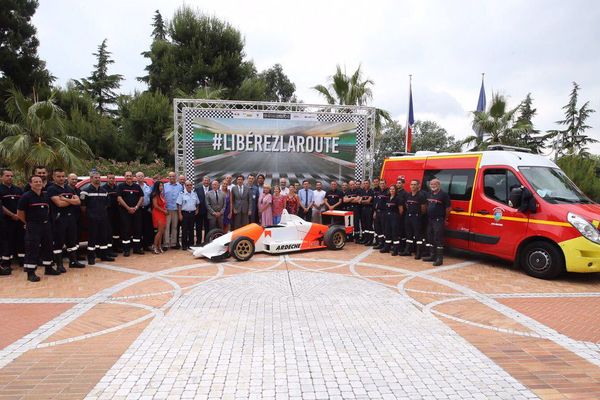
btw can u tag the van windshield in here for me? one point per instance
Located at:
(553, 185)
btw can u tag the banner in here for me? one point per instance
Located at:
(296, 146)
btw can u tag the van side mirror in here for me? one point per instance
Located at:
(516, 197)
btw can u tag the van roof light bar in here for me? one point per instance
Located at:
(496, 147)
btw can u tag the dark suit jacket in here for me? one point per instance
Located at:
(243, 203)
(201, 197)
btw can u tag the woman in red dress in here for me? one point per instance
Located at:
(292, 201)
(159, 215)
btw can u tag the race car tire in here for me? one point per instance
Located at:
(242, 248)
(543, 260)
(212, 235)
(335, 237)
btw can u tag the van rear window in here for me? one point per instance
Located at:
(458, 183)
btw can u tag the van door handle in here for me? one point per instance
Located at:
(483, 212)
(458, 209)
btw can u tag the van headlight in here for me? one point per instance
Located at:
(584, 227)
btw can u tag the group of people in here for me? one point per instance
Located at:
(390, 218)
(41, 223)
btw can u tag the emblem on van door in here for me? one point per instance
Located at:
(497, 214)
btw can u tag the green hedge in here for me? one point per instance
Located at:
(583, 171)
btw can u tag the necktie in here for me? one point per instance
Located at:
(241, 191)
(305, 198)
(217, 196)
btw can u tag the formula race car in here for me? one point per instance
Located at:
(291, 234)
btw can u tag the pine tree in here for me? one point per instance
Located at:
(530, 138)
(20, 65)
(100, 85)
(572, 139)
(159, 31)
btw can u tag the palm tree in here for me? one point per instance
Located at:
(351, 90)
(36, 135)
(497, 125)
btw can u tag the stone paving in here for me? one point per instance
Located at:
(323, 324)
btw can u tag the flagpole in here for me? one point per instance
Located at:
(407, 145)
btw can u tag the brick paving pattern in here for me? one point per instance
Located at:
(323, 324)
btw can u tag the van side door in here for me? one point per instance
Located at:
(496, 228)
(458, 183)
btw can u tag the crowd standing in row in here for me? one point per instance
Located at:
(41, 223)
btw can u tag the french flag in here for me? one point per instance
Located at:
(410, 122)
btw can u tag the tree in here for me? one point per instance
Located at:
(36, 136)
(530, 138)
(572, 139)
(159, 31)
(583, 171)
(351, 90)
(429, 136)
(497, 125)
(278, 85)
(389, 141)
(144, 119)
(100, 85)
(20, 65)
(199, 51)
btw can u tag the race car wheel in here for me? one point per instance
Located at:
(542, 260)
(335, 237)
(212, 235)
(242, 248)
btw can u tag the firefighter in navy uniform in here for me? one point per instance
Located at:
(402, 195)
(415, 205)
(64, 207)
(130, 197)
(392, 208)
(351, 201)
(333, 201)
(114, 245)
(34, 211)
(94, 202)
(438, 210)
(3, 240)
(13, 227)
(366, 213)
(381, 197)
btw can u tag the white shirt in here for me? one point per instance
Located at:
(285, 191)
(318, 197)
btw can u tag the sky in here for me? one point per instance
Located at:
(537, 47)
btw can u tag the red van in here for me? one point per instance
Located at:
(511, 204)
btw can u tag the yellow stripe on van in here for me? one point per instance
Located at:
(518, 219)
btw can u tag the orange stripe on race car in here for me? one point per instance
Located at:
(315, 233)
(253, 231)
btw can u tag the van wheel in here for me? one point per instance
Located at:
(335, 237)
(212, 235)
(542, 260)
(242, 248)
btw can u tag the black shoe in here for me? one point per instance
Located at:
(439, 257)
(51, 271)
(91, 260)
(176, 247)
(76, 264)
(126, 253)
(112, 254)
(395, 249)
(31, 276)
(107, 258)
(184, 248)
(61, 269)
(429, 258)
(385, 248)
(138, 251)
(379, 245)
(5, 270)
(164, 248)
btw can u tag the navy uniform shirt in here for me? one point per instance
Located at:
(36, 207)
(437, 203)
(393, 204)
(413, 203)
(353, 194)
(95, 200)
(365, 194)
(10, 196)
(130, 194)
(112, 195)
(333, 196)
(66, 191)
(381, 198)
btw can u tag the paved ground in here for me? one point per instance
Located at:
(347, 324)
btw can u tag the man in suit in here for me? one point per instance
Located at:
(215, 206)
(242, 203)
(202, 216)
(254, 194)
